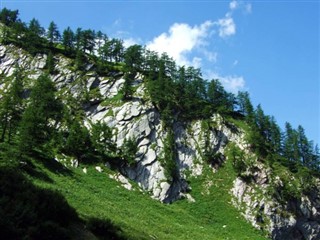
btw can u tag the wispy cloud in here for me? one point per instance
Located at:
(127, 42)
(231, 83)
(181, 40)
(227, 26)
(233, 5)
(248, 8)
(235, 63)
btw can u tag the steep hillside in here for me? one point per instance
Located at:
(112, 135)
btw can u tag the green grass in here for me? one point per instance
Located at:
(95, 195)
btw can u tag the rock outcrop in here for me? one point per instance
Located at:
(297, 218)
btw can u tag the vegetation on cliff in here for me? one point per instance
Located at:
(37, 123)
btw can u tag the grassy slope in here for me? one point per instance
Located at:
(95, 195)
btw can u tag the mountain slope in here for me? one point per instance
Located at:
(96, 195)
(121, 121)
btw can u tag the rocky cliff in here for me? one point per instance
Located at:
(139, 119)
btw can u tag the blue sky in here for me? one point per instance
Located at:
(269, 48)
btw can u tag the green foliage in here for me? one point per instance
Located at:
(68, 39)
(41, 116)
(238, 159)
(8, 17)
(35, 27)
(129, 150)
(220, 100)
(101, 137)
(11, 107)
(79, 61)
(127, 89)
(50, 65)
(78, 142)
(209, 154)
(245, 107)
(168, 159)
(133, 58)
(53, 33)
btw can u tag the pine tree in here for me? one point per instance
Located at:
(53, 33)
(315, 164)
(79, 60)
(41, 116)
(100, 37)
(78, 143)
(133, 58)
(8, 17)
(275, 136)
(68, 39)
(11, 107)
(50, 64)
(290, 146)
(101, 137)
(87, 40)
(35, 27)
(77, 38)
(246, 107)
(117, 49)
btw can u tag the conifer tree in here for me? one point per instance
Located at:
(8, 17)
(33, 38)
(305, 147)
(68, 39)
(41, 116)
(246, 107)
(87, 40)
(117, 49)
(315, 164)
(11, 107)
(290, 146)
(77, 38)
(275, 136)
(53, 33)
(50, 64)
(133, 58)
(78, 143)
(35, 27)
(101, 137)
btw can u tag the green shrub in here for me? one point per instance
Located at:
(168, 160)
(237, 157)
(129, 150)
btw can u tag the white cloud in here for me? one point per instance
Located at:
(248, 8)
(233, 5)
(196, 62)
(233, 83)
(181, 40)
(211, 56)
(130, 42)
(230, 83)
(235, 63)
(227, 27)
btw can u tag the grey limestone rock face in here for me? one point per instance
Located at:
(298, 219)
